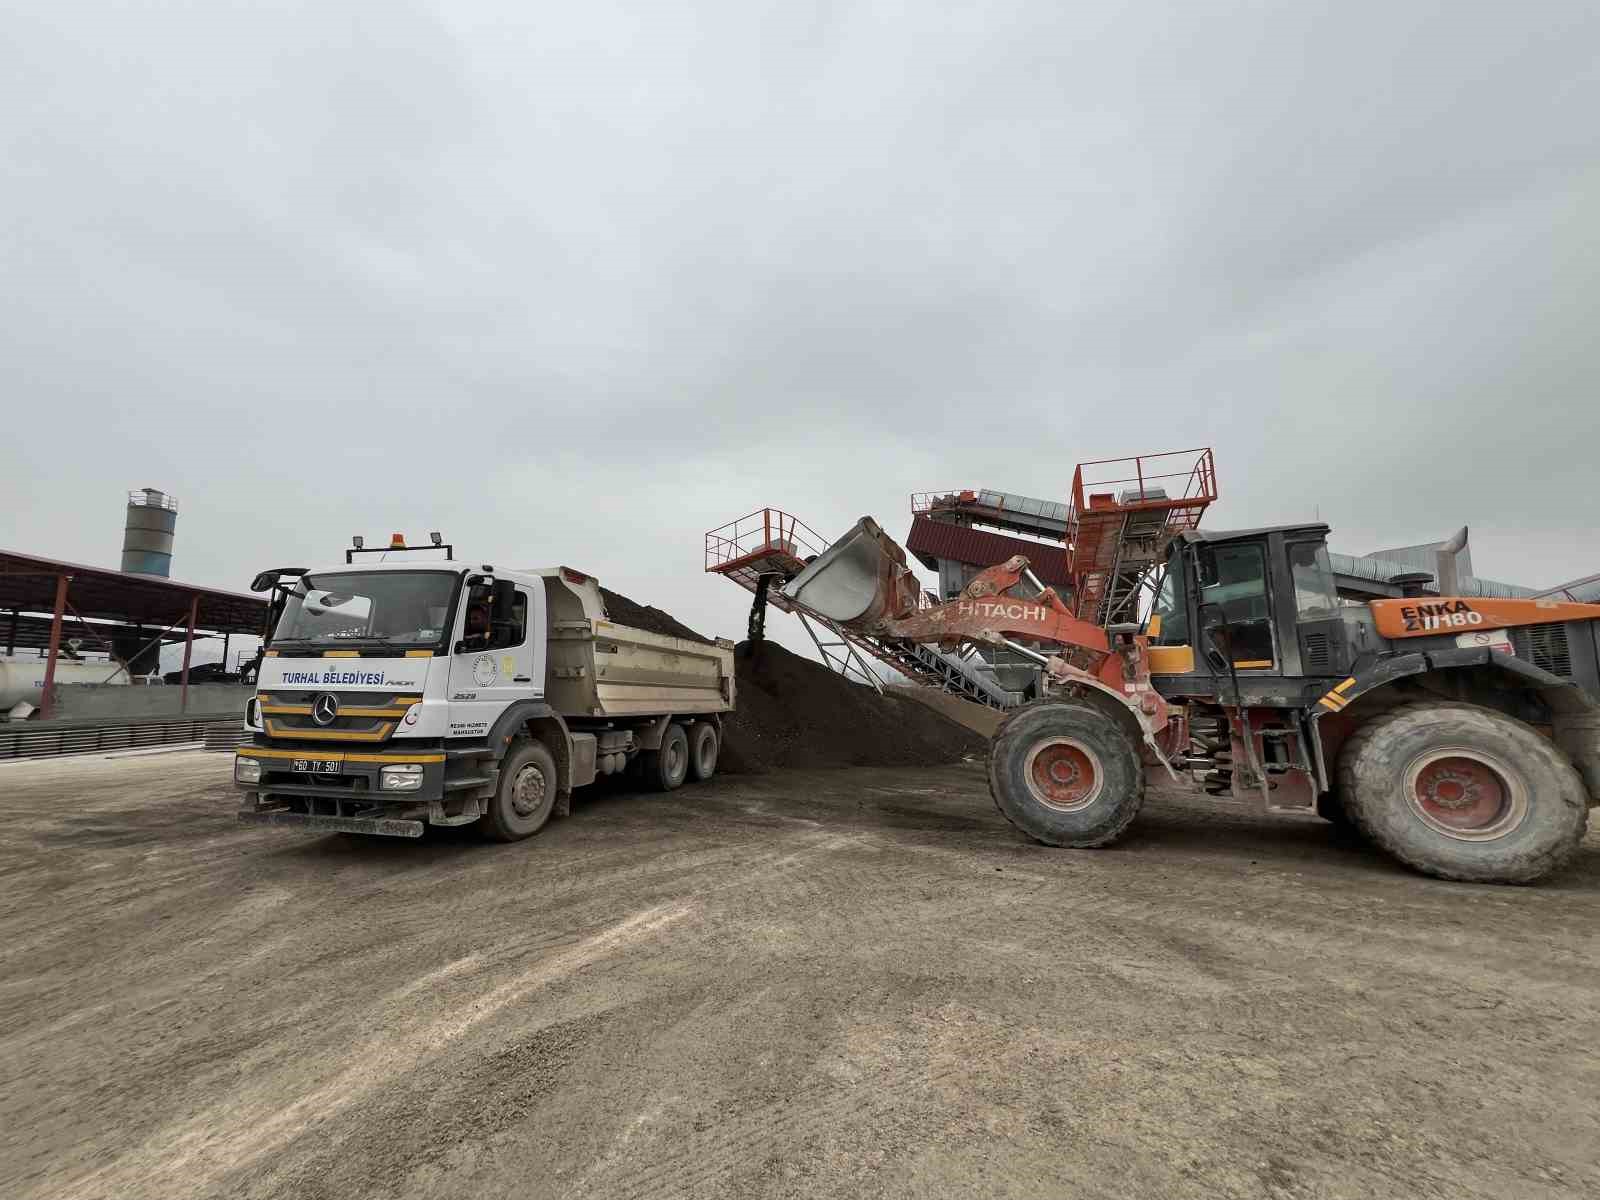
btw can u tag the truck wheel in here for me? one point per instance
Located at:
(525, 795)
(1463, 792)
(1065, 774)
(666, 768)
(704, 745)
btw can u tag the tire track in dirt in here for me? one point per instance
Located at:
(189, 1158)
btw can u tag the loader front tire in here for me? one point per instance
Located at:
(1065, 774)
(1462, 792)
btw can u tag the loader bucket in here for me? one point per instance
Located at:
(860, 581)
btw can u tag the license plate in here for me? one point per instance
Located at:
(317, 766)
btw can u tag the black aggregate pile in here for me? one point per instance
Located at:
(790, 712)
(641, 616)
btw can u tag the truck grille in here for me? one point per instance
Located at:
(1545, 646)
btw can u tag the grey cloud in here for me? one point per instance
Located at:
(578, 282)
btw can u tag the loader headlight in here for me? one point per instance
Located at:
(247, 770)
(402, 777)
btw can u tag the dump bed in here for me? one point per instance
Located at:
(598, 668)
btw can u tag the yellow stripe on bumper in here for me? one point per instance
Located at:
(337, 756)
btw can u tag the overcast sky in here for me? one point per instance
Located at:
(576, 282)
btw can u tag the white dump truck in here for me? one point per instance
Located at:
(398, 694)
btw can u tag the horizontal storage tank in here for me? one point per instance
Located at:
(22, 679)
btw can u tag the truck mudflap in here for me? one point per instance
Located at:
(382, 826)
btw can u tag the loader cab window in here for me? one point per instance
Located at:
(1315, 598)
(1169, 619)
(1240, 591)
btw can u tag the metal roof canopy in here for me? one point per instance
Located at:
(31, 584)
(19, 632)
(28, 584)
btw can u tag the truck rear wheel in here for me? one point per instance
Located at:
(704, 746)
(1463, 792)
(666, 769)
(525, 795)
(1065, 774)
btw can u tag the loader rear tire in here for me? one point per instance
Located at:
(1065, 774)
(1462, 792)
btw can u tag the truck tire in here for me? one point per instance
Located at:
(704, 746)
(525, 795)
(1065, 774)
(1463, 792)
(666, 769)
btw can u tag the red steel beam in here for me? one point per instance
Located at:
(188, 652)
(48, 708)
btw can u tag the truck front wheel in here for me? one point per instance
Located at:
(525, 795)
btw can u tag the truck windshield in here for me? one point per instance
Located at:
(406, 608)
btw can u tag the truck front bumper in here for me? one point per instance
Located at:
(345, 792)
(381, 826)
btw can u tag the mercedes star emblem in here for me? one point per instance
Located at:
(325, 709)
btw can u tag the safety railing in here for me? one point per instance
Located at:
(765, 531)
(1187, 477)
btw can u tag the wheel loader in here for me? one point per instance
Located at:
(1459, 734)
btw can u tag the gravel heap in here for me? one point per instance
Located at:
(791, 712)
(641, 616)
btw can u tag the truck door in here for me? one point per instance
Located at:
(494, 660)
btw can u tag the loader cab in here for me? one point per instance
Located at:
(1256, 605)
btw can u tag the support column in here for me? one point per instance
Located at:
(11, 642)
(188, 653)
(48, 708)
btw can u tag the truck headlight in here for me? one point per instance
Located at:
(402, 777)
(247, 770)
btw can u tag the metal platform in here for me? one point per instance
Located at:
(1122, 514)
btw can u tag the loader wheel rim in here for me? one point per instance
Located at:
(527, 793)
(1466, 794)
(1063, 774)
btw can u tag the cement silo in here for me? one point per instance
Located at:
(147, 536)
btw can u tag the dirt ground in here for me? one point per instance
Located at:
(839, 984)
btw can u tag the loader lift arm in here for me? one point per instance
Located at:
(862, 583)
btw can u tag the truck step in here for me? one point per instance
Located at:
(382, 826)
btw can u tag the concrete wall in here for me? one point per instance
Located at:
(80, 700)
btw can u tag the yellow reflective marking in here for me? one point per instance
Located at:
(341, 654)
(336, 756)
(1346, 685)
(419, 653)
(1254, 663)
